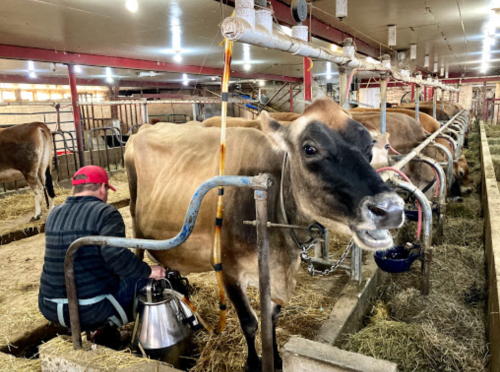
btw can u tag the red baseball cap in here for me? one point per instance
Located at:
(93, 174)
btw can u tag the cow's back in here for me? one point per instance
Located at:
(167, 163)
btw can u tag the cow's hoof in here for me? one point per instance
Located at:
(278, 363)
(254, 366)
(34, 218)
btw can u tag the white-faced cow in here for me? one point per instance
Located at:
(328, 179)
(26, 151)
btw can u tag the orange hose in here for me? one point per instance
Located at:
(228, 49)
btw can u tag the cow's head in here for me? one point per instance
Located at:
(332, 181)
(380, 150)
(461, 173)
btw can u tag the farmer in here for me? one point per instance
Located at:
(105, 277)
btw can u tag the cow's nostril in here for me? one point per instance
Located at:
(377, 211)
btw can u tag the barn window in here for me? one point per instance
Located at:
(26, 95)
(55, 96)
(9, 95)
(41, 96)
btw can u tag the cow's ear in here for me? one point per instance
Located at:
(275, 131)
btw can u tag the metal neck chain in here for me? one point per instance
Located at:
(310, 266)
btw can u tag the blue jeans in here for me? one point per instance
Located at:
(125, 294)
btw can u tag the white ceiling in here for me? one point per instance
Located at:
(158, 27)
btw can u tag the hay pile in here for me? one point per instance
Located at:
(310, 306)
(444, 331)
(9, 363)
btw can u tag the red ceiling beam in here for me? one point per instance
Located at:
(23, 79)
(46, 55)
(471, 80)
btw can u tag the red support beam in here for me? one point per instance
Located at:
(47, 55)
(76, 114)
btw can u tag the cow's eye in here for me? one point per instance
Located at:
(386, 147)
(374, 143)
(310, 150)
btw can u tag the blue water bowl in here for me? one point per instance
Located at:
(411, 215)
(396, 259)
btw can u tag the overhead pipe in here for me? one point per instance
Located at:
(245, 27)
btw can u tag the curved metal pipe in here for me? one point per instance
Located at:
(451, 176)
(427, 232)
(260, 182)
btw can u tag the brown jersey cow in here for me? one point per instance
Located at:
(327, 179)
(26, 151)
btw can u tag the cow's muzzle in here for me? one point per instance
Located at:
(376, 215)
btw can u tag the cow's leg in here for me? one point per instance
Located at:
(37, 188)
(248, 322)
(278, 362)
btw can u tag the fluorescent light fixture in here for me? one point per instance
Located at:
(178, 57)
(392, 35)
(446, 75)
(78, 69)
(262, 83)
(32, 74)
(328, 70)
(31, 66)
(435, 67)
(413, 52)
(484, 67)
(247, 66)
(109, 75)
(341, 9)
(426, 61)
(131, 5)
(442, 71)
(185, 79)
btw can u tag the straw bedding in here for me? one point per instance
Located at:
(21, 206)
(444, 331)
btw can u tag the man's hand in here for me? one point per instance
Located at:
(158, 272)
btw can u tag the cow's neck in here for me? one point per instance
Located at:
(293, 213)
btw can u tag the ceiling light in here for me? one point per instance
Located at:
(185, 79)
(413, 52)
(32, 75)
(109, 80)
(426, 61)
(109, 75)
(177, 57)
(262, 83)
(484, 67)
(131, 5)
(31, 66)
(214, 78)
(334, 48)
(78, 69)
(328, 70)
(392, 35)
(442, 71)
(247, 66)
(341, 9)
(435, 67)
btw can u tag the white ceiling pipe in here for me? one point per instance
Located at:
(238, 29)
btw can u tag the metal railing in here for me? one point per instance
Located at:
(116, 142)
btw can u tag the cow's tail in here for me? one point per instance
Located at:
(49, 185)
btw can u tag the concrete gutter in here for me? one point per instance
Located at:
(491, 208)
